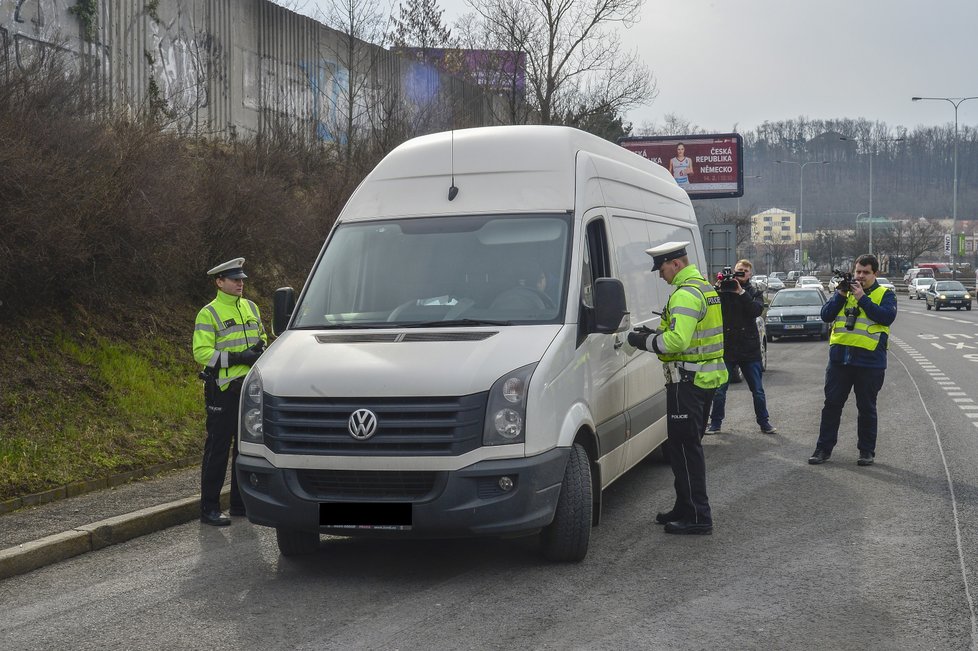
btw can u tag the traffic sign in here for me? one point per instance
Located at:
(947, 244)
(797, 256)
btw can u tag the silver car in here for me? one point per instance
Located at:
(918, 286)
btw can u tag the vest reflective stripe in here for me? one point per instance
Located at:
(226, 325)
(704, 355)
(705, 367)
(866, 333)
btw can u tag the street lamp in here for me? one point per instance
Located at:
(872, 155)
(801, 201)
(754, 176)
(857, 221)
(955, 102)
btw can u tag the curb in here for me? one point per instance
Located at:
(30, 556)
(91, 485)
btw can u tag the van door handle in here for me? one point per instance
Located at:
(618, 343)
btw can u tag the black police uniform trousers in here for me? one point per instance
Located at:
(686, 412)
(222, 430)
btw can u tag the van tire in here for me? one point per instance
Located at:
(293, 542)
(566, 538)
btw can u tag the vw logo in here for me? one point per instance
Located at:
(362, 424)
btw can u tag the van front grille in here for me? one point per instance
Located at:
(445, 426)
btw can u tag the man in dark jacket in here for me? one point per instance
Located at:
(742, 303)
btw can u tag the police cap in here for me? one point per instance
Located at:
(229, 269)
(665, 252)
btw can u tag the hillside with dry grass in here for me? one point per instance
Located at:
(107, 228)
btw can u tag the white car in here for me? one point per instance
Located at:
(809, 281)
(918, 286)
(760, 282)
(885, 282)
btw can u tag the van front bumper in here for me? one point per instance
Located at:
(466, 502)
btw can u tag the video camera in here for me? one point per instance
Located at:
(845, 280)
(727, 280)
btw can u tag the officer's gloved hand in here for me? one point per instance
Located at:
(638, 337)
(246, 357)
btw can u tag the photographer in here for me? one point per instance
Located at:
(860, 312)
(741, 303)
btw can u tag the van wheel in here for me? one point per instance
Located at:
(566, 538)
(292, 542)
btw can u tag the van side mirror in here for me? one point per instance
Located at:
(284, 304)
(609, 306)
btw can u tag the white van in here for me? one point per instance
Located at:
(456, 363)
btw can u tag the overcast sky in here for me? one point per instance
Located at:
(726, 63)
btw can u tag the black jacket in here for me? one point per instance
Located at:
(741, 341)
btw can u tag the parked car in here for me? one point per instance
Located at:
(918, 286)
(809, 281)
(947, 293)
(885, 282)
(796, 312)
(774, 284)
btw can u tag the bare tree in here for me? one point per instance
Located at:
(501, 36)
(348, 91)
(576, 64)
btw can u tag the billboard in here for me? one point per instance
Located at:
(706, 166)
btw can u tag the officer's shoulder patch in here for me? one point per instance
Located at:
(713, 300)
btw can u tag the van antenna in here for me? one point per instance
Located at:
(453, 191)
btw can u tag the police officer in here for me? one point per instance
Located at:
(689, 342)
(228, 339)
(861, 316)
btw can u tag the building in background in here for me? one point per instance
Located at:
(773, 226)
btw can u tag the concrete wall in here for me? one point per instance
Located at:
(237, 68)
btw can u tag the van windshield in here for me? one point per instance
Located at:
(440, 271)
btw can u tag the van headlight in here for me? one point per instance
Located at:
(252, 415)
(506, 413)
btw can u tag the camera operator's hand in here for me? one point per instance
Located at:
(857, 290)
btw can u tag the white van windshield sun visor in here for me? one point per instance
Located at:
(440, 271)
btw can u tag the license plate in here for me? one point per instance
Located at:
(395, 516)
(793, 326)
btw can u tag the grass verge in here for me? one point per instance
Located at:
(78, 405)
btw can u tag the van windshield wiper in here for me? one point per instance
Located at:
(452, 323)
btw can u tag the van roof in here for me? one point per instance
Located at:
(496, 169)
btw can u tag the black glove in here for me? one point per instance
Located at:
(638, 337)
(247, 357)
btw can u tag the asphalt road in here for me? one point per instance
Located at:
(815, 557)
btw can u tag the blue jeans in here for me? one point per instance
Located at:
(752, 376)
(840, 379)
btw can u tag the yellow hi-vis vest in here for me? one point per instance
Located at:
(866, 334)
(228, 324)
(691, 330)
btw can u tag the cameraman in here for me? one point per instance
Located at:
(741, 303)
(860, 312)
